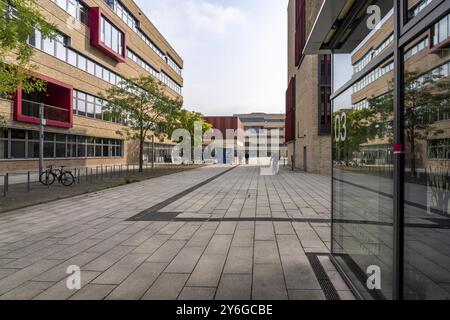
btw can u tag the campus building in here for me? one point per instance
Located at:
(256, 133)
(266, 125)
(99, 43)
(391, 144)
(308, 107)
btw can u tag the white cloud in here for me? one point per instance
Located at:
(234, 51)
(213, 18)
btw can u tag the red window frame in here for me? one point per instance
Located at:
(95, 15)
(18, 112)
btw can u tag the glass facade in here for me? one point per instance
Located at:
(427, 175)
(21, 144)
(391, 156)
(162, 153)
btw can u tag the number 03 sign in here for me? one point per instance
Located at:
(340, 127)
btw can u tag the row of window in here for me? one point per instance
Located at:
(420, 46)
(24, 144)
(75, 8)
(373, 76)
(128, 18)
(441, 31)
(86, 105)
(247, 120)
(112, 37)
(434, 75)
(419, 7)
(158, 75)
(439, 149)
(361, 64)
(364, 104)
(59, 49)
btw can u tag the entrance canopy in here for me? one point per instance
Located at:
(343, 24)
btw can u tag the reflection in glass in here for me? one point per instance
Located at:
(427, 173)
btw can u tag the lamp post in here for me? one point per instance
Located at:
(42, 123)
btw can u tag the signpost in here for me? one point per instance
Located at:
(42, 123)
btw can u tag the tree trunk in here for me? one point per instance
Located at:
(141, 153)
(413, 157)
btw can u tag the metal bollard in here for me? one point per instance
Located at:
(5, 184)
(28, 181)
(91, 174)
(87, 175)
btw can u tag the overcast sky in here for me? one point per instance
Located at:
(234, 52)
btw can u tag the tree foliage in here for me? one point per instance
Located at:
(18, 21)
(145, 109)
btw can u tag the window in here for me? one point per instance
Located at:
(75, 8)
(325, 93)
(372, 54)
(25, 145)
(132, 22)
(72, 57)
(111, 36)
(441, 31)
(158, 75)
(417, 48)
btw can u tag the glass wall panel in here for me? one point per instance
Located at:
(363, 199)
(427, 171)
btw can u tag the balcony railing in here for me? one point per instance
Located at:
(31, 109)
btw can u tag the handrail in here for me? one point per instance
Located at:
(45, 105)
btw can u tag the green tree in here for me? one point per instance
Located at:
(424, 94)
(17, 24)
(18, 21)
(144, 108)
(185, 119)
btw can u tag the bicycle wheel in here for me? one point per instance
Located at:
(67, 179)
(47, 178)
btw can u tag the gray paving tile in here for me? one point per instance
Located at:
(268, 282)
(235, 287)
(93, 292)
(26, 291)
(167, 252)
(16, 279)
(106, 260)
(167, 287)
(59, 291)
(219, 244)
(122, 269)
(197, 293)
(135, 286)
(208, 271)
(266, 252)
(185, 261)
(239, 260)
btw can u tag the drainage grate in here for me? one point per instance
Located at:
(148, 214)
(325, 283)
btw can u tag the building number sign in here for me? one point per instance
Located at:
(340, 127)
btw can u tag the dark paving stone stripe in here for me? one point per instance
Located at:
(325, 283)
(151, 211)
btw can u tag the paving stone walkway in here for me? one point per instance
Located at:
(240, 236)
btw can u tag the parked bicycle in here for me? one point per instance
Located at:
(49, 176)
